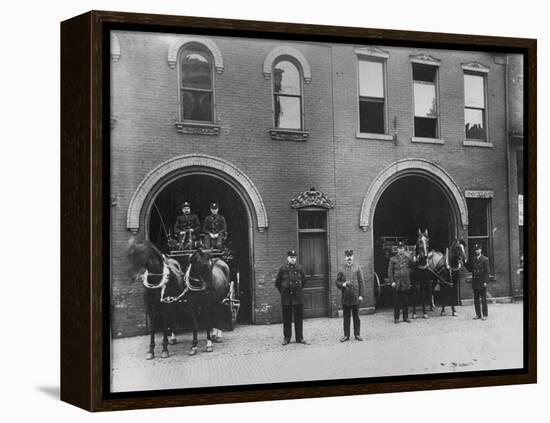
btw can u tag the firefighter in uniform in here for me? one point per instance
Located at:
(214, 228)
(187, 227)
(350, 281)
(290, 282)
(479, 267)
(399, 275)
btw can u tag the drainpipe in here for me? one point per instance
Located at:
(508, 176)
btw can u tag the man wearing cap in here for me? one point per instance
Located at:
(214, 228)
(479, 267)
(399, 275)
(290, 282)
(350, 281)
(187, 227)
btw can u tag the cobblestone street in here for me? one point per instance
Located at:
(254, 354)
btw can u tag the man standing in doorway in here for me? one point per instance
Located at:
(290, 282)
(399, 275)
(350, 282)
(480, 277)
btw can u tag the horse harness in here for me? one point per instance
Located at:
(165, 279)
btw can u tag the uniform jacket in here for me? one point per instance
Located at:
(352, 292)
(214, 223)
(290, 282)
(399, 271)
(480, 271)
(187, 221)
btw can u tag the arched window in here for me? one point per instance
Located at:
(287, 92)
(196, 84)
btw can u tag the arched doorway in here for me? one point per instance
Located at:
(199, 189)
(406, 205)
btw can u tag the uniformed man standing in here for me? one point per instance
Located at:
(290, 283)
(187, 227)
(479, 267)
(350, 281)
(214, 228)
(399, 275)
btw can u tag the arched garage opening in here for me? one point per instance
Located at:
(405, 196)
(199, 189)
(409, 204)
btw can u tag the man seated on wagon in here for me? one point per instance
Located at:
(186, 228)
(214, 228)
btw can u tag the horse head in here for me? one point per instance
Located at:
(422, 246)
(143, 256)
(457, 253)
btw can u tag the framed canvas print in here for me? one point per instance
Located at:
(257, 210)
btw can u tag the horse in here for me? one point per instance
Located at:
(208, 284)
(164, 289)
(422, 277)
(447, 269)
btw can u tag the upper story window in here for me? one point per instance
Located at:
(475, 104)
(426, 108)
(372, 103)
(287, 92)
(196, 84)
(474, 107)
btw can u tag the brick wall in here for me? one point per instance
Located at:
(145, 103)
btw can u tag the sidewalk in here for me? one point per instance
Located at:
(254, 354)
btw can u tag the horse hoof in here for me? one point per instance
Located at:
(414, 316)
(150, 356)
(217, 339)
(164, 354)
(173, 341)
(193, 351)
(209, 349)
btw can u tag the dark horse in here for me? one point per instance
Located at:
(422, 277)
(207, 281)
(163, 282)
(447, 269)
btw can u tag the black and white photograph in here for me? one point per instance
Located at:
(298, 210)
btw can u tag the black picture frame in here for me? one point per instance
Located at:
(85, 205)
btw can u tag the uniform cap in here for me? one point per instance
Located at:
(477, 247)
(400, 244)
(186, 204)
(348, 253)
(291, 253)
(214, 206)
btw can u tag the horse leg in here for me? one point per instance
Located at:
(208, 322)
(151, 352)
(195, 320)
(165, 332)
(414, 294)
(172, 340)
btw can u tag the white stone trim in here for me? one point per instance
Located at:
(483, 144)
(372, 52)
(423, 140)
(194, 160)
(475, 67)
(115, 47)
(371, 136)
(425, 59)
(406, 166)
(480, 193)
(207, 43)
(286, 51)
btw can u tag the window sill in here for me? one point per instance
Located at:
(288, 135)
(198, 128)
(422, 140)
(471, 143)
(371, 136)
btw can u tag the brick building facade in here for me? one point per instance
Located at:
(351, 144)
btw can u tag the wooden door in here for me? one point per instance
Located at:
(313, 256)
